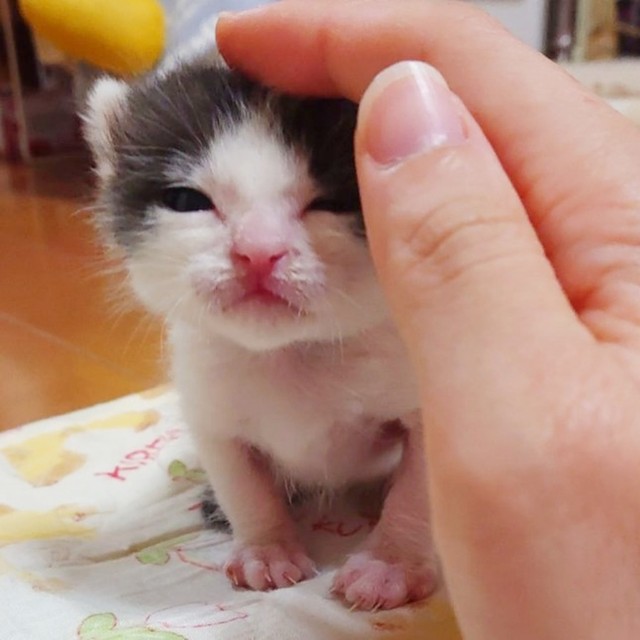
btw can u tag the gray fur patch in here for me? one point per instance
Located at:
(172, 118)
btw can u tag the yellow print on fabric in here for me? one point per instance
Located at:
(43, 460)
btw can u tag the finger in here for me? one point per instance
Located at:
(552, 137)
(467, 280)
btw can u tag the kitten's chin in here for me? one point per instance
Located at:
(268, 332)
(260, 335)
(259, 327)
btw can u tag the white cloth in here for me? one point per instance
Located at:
(101, 539)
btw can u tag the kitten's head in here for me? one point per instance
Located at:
(237, 209)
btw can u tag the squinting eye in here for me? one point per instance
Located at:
(183, 199)
(331, 205)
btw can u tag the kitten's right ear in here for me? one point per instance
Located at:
(105, 106)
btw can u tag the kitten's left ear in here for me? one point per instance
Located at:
(105, 107)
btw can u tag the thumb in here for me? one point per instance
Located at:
(466, 276)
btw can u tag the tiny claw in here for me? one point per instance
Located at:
(376, 606)
(232, 576)
(268, 578)
(289, 579)
(355, 605)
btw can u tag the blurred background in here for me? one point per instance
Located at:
(68, 336)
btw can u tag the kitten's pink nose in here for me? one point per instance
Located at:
(260, 261)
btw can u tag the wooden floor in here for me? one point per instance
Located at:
(65, 341)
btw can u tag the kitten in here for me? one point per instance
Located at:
(238, 214)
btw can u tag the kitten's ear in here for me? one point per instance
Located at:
(105, 106)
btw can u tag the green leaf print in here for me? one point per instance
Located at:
(179, 470)
(94, 625)
(160, 553)
(102, 626)
(157, 555)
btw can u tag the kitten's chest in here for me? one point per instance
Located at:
(326, 421)
(318, 412)
(349, 384)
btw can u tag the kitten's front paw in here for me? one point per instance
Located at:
(368, 583)
(272, 566)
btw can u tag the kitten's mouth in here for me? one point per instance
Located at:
(263, 296)
(260, 297)
(271, 299)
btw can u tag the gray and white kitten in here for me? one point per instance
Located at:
(238, 214)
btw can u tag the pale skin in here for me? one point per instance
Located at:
(508, 248)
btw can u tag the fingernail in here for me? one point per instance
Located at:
(407, 110)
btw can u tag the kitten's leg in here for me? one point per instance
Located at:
(398, 564)
(267, 553)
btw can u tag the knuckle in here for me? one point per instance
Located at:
(458, 236)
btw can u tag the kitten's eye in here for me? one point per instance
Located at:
(331, 205)
(183, 199)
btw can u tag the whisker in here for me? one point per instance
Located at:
(350, 299)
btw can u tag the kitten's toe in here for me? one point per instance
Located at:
(264, 567)
(369, 583)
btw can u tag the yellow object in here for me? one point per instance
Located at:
(43, 460)
(63, 521)
(124, 37)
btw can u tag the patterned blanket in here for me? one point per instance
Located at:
(101, 538)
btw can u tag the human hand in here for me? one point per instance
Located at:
(506, 235)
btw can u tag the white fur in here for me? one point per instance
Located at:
(275, 395)
(104, 103)
(184, 271)
(315, 409)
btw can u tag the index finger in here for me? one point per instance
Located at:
(570, 156)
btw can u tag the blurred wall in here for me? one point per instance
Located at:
(525, 18)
